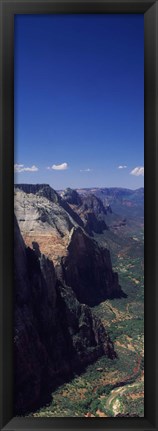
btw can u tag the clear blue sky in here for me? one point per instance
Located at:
(79, 100)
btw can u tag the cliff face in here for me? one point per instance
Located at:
(46, 192)
(43, 220)
(83, 265)
(87, 269)
(54, 335)
(71, 197)
(90, 210)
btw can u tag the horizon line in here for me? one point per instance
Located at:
(80, 188)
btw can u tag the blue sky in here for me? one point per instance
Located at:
(79, 100)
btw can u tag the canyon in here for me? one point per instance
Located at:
(59, 271)
(69, 248)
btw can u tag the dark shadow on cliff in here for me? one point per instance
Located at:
(54, 335)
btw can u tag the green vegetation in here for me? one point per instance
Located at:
(132, 327)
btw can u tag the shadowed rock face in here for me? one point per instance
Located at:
(93, 214)
(81, 262)
(91, 202)
(87, 269)
(54, 335)
(71, 197)
(93, 224)
(90, 210)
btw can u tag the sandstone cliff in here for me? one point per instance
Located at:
(54, 335)
(81, 262)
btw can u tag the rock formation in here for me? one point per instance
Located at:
(54, 335)
(45, 191)
(82, 263)
(71, 197)
(87, 269)
(90, 210)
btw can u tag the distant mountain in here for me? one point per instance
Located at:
(106, 209)
(124, 202)
(114, 192)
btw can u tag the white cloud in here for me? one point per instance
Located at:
(122, 167)
(139, 170)
(18, 168)
(61, 167)
(86, 170)
(22, 168)
(33, 168)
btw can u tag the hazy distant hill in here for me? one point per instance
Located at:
(123, 201)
